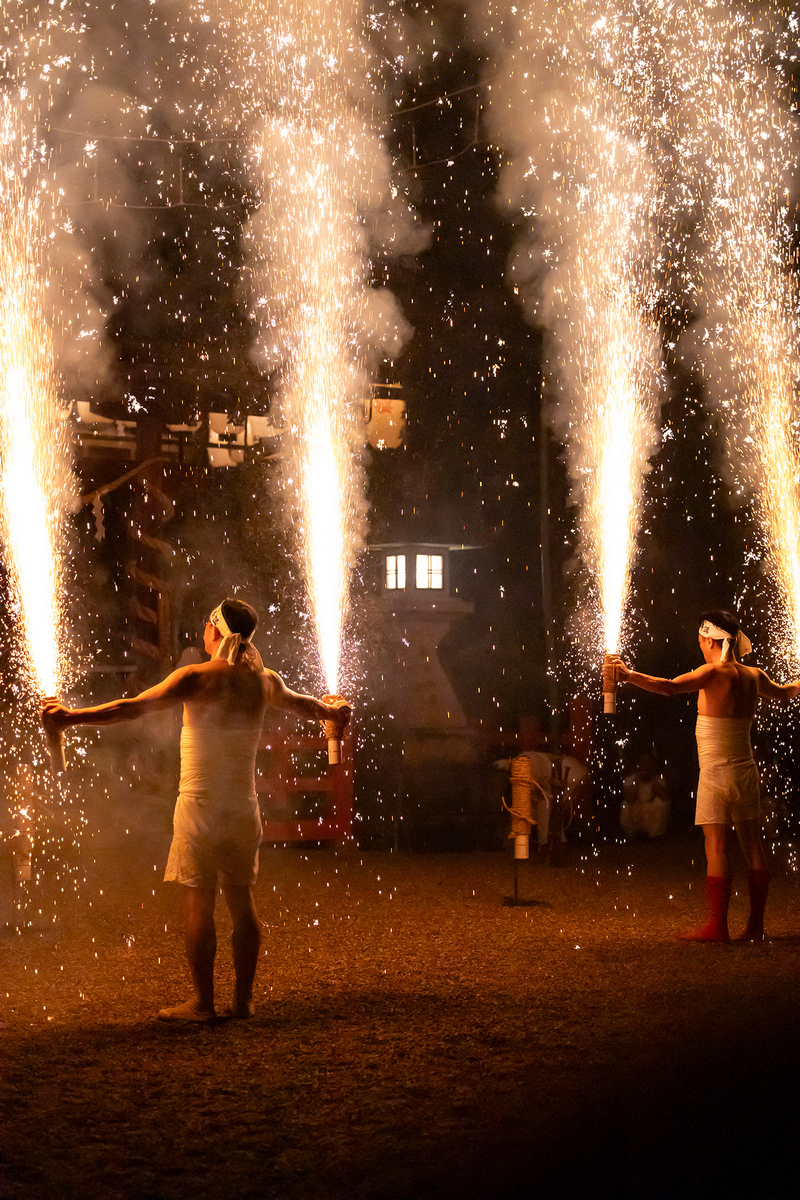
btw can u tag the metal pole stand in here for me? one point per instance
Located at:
(559, 776)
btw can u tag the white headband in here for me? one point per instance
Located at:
(229, 646)
(740, 641)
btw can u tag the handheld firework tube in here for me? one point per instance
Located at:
(609, 685)
(521, 819)
(333, 732)
(55, 744)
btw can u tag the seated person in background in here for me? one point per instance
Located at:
(645, 800)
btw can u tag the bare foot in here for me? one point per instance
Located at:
(190, 1011)
(239, 1011)
(750, 935)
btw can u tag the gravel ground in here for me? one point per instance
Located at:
(415, 1040)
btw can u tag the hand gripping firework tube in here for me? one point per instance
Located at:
(609, 685)
(333, 731)
(55, 745)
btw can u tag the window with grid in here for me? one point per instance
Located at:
(395, 572)
(430, 571)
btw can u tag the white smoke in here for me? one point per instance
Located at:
(568, 104)
(738, 140)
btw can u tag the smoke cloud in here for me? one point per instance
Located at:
(568, 104)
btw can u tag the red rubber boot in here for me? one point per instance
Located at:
(758, 886)
(715, 928)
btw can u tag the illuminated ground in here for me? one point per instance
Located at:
(414, 1040)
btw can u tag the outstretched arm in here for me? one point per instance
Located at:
(777, 691)
(173, 690)
(692, 681)
(305, 706)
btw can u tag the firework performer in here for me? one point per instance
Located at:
(217, 825)
(728, 791)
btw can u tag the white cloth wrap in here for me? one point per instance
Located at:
(231, 642)
(219, 764)
(728, 789)
(217, 823)
(740, 641)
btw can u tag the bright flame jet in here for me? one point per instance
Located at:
(573, 106)
(35, 472)
(311, 218)
(301, 82)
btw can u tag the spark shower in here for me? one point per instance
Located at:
(616, 122)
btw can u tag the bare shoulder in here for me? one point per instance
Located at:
(749, 676)
(197, 673)
(196, 678)
(730, 672)
(184, 679)
(272, 683)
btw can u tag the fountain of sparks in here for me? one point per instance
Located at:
(321, 380)
(36, 484)
(619, 404)
(315, 161)
(731, 74)
(577, 124)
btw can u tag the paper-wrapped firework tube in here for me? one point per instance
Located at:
(521, 819)
(609, 686)
(333, 731)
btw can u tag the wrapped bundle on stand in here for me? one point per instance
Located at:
(521, 817)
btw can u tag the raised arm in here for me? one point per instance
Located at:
(777, 691)
(176, 688)
(280, 696)
(692, 681)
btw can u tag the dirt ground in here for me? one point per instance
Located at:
(415, 1040)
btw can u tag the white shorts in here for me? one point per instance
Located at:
(212, 846)
(728, 794)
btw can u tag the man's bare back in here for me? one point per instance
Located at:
(218, 694)
(729, 689)
(224, 702)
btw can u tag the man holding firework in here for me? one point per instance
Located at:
(728, 791)
(217, 824)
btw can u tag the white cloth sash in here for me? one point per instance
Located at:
(219, 765)
(723, 741)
